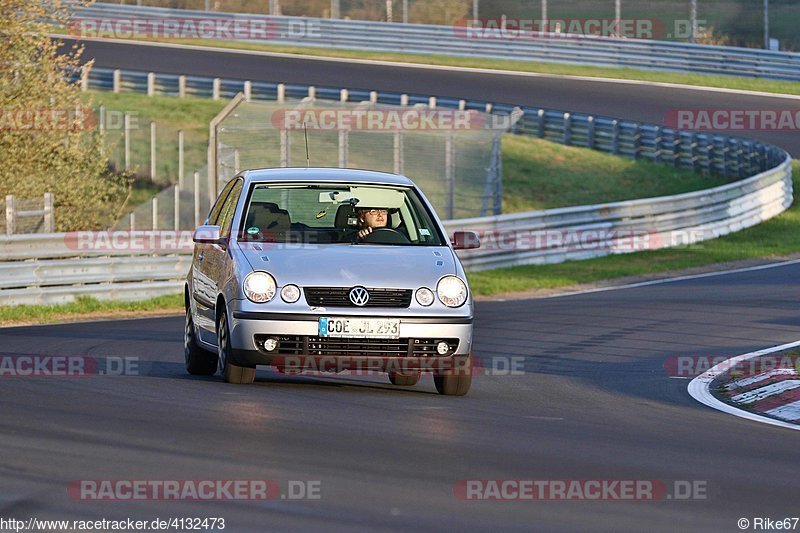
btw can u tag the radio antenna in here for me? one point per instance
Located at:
(305, 133)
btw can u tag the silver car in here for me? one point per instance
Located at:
(288, 272)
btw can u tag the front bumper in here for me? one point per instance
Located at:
(302, 330)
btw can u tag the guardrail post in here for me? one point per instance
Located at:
(541, 124)
(693, 151)
(344, 148)
(462, 105)
(373, 97)
(281, 96)
(181, 155)
(216, 85)
(49, 213)
(432, 102)
(657, 145)
(155, 213)
(11, 218)
(177, 207)
(615, 137)
(637, 141)
(151, 84)
(181, 86)
(489, 107)
(399, 149)
(133, 221)
(676, 149)
(403, 99)
(725, 151)
(344, 94)
(196, 199)
(248, 90)
(312, 92)
(590, 132)
(127, 140)
(153, 170)
(117, 80)
(284, 148)
(85, 70)
(711, 155)
(567, 129)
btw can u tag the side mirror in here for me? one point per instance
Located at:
(465, 240)
(207, 235)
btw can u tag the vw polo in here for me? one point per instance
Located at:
(282, 275)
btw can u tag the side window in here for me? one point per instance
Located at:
(229, 209)
(213, 216)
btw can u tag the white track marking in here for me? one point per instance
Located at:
(744, 382)
(431, 67)
(699, 387)
(671, 280)
(790, 411)
(765, 392)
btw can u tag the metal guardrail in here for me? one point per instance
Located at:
(451, 40)
(692, 216)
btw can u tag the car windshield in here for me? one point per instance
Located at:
(338, 214)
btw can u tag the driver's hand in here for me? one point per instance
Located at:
(364, 232)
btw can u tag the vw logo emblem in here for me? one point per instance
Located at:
(359, 296)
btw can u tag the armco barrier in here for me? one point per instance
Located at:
(764, 190)
(508, 240)
(448, 40)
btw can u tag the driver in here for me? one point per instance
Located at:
(369, 219)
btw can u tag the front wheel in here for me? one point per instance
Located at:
(241, 375)
(199, 362)
(455, 381)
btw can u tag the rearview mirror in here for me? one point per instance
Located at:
(207, 235)
(465, 240)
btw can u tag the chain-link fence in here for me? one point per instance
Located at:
(453, 155)
(734, 22)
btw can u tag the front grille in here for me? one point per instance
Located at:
(339, 297)
(334, 346)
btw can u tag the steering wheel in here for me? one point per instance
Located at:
(385, 236)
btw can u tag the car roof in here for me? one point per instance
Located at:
(324, 175)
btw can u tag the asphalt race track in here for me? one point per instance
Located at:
(594, 402)
(618, 100)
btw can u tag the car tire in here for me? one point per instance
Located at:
(199, 362)
(231, 373)
(455, 381)
(404, 380)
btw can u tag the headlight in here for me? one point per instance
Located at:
(425, 296)
(290, 294)
(452, 291)
(259, 287)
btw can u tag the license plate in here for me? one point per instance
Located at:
(375, 328)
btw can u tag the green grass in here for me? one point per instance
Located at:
(775, 238)
(84, 306)
(539, 174)
(729, 82)
(192, 115)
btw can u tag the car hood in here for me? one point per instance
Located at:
(349, 265)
